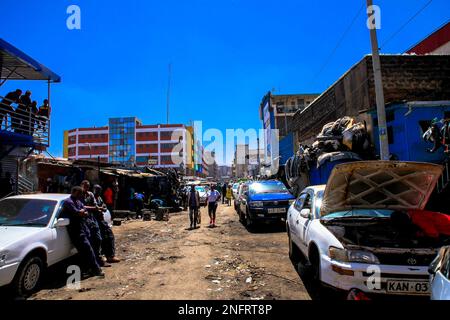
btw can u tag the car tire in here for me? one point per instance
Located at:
(248, 220)
(28, 277)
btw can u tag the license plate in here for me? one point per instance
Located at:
(276, 210)
(415, 287)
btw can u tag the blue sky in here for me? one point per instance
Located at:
(226, 54)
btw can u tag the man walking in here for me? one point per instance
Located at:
(224, 192)
(213, 200)
(194, 207)
(108, 239)
(79, 232)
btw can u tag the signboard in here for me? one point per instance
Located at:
(153, 161)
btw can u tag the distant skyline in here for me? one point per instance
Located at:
(225, 54)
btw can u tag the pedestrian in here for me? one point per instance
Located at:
(194, 207)
(139, 204)
(23, 114)
(79, 233)
(213, 200)
(5, 106)
(44, 115)
(90, 204)
(33, 116)
(224, 192)
(109, 200)
(108, 239)
(229, 195)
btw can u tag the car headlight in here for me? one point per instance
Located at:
(360, 256)
(3, 257)
(256, 204)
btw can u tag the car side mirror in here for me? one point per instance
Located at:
(62, 222)
(306, 213)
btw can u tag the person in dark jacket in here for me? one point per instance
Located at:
(44, 115)
(79, 232)
(108, 239)
(5, 105)
(194, 207)
(23, 117)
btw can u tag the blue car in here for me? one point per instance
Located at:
(265, 202)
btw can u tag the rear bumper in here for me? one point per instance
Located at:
(371, 279)
(7, 273)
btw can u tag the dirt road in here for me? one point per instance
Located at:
(163, 260)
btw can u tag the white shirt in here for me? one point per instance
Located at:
(213, 196)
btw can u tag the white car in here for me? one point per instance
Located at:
(203, 194)
(440, 275)
(32, 238)
(344, 232)
(234, 189)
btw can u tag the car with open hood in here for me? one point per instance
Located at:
(349, 232)
(33, 237)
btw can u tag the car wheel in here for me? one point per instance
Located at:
(248, 220)
(28, 276)
(315, 266)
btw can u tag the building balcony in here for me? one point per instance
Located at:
(23, 128)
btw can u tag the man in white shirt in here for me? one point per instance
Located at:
(213, 200)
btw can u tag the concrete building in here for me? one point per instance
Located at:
(241, 161)
(128, 142)
(405, 78)
(277, 114)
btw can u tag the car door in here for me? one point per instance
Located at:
(243, 199)
(294, 218)
(304, 222)
(61, 243)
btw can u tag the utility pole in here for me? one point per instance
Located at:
(168, 93)
(381, 112)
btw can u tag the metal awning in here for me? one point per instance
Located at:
(16, 65)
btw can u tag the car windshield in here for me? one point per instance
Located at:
(200, 189)
(26, 212)
(235, 186)
(268, 188)
(360, 213)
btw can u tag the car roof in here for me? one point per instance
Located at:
(43, 196)
(267, 182)
(317, 188)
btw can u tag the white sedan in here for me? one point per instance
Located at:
(440, 275)
(32, 238)
(345, 233)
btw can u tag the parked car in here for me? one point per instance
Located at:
(265, 201)
(32, 238)
(440, 275)
(243, 187)
(234, 189)
(203, 193)
(346, 234)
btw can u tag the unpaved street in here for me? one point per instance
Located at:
(163, 260)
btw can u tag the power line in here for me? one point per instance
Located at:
(341, 39)
(406, 23)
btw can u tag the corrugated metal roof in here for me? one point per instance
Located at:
(16, 65)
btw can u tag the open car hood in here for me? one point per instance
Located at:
(380, 185)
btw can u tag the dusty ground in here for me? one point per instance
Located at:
(163, 260)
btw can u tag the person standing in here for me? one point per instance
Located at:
(224, 192)
(79, 233)
(213, 200)
(88, 200)
(108, 239)
(109, 200)
(194, 206)
(5, 106)
(23, 114)
(229, 195)
(44, 115)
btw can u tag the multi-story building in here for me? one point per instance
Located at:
(277, 113)
(128, 142)
(241, 161)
